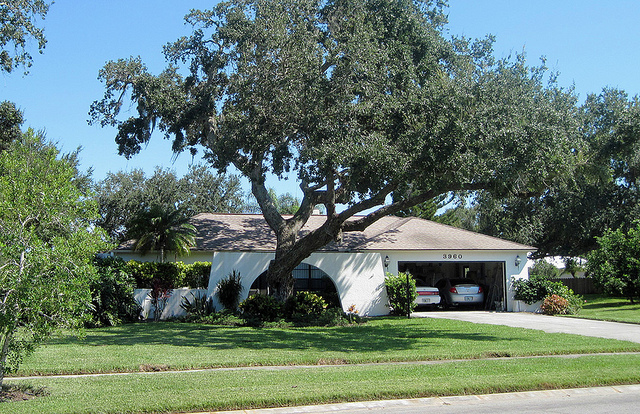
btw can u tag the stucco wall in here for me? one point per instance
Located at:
(359, 277)
(172, 308)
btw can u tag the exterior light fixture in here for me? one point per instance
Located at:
(386, 261)
(518, 261)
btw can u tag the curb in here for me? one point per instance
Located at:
(439, 401)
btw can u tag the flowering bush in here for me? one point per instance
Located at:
(555, 305)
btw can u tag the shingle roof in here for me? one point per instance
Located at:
(250, 232)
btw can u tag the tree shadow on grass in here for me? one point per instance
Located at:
(359, 338)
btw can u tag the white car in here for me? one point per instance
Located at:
(460, 292)
(427, 295)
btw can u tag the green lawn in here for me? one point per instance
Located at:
(136, 347)
(609, 309)
(127, 348)
(220, 390)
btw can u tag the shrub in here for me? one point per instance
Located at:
(555, 305)
(262, 308)
(223, 318)
(197, 306)
(304, 303)
(196, 275)
(399, 298)
(112, 294)
(228, 290)
(536, 289)
(332, 317)
(176, 274)
(159, 295)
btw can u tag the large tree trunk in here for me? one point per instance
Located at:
(291, 251)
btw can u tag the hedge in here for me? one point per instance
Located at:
(178, 274)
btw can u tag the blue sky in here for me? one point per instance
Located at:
(592, 43)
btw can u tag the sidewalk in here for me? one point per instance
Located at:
(551, 324)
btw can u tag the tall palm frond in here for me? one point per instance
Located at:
(162, 228)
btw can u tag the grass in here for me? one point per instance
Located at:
(606, 308)
(164, 346)
(221, 390)
(179, 346)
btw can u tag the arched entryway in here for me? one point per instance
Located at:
(307, 278)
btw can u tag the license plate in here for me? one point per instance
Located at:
(425, 300)
(468, 298)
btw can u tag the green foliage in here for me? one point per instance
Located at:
(162, 229)
(122, 195)
(10, 121)
(261, 307)
(146, 272)
(198, 306)
(284, 203)
(615, 264)
(47, 245)
(18, 25)
(222, 318)
(228, 290)
(196, 275)
(112, 292)
(602, 193)
(401, 297)
(304, 304)
(537, 289)
(542, 269)
(178, 274)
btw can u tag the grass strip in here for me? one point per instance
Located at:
(220, 390)
(179, 346)
(606, 308)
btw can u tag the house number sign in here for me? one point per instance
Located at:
(452, 256)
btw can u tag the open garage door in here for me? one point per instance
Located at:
(489, 275)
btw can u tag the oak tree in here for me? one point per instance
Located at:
(18, 25)
(358, 99)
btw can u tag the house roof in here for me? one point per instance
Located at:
(250, 232)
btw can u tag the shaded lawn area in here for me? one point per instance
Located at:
(178, 346)
(606, 308)
(220, 390)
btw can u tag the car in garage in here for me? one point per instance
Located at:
(427, 295)
(457, 292)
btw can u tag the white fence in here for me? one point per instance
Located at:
(172, 308)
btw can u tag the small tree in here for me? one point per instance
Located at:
(615, 264)
(542, 269)
(162, 228)
(402, 293)
(159, 295)
(47, 244)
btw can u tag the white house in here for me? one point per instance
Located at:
(355, 268)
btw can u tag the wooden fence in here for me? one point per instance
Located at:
(580, 286)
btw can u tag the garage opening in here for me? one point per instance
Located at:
(489, 275)
(307, 278)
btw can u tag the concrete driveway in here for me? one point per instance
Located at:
(552, 324)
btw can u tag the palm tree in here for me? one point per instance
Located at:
(162, 228)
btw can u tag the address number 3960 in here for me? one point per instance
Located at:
(452, 256)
